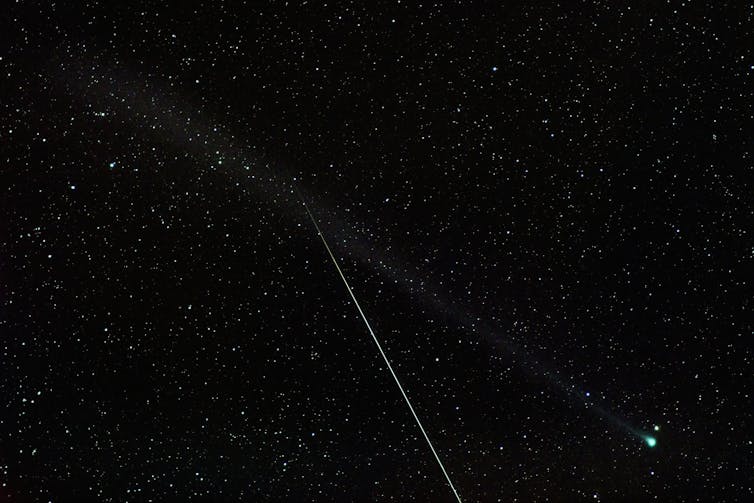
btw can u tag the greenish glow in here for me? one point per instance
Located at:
(651, 441)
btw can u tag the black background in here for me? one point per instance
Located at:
(532, 202)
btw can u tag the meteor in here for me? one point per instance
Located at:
(377, 343)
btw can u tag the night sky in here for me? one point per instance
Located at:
(545, 212)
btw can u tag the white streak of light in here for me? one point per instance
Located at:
(379, 346)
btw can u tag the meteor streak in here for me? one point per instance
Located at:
(377, 342)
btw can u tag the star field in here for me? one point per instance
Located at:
(544, 211)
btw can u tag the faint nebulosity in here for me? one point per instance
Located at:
(545, 212)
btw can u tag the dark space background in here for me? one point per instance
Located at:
(544, 209)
